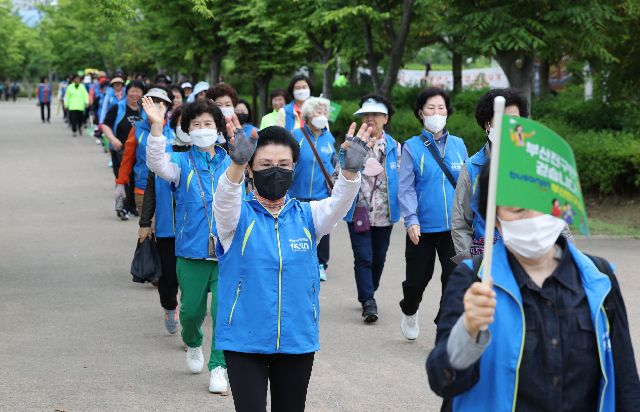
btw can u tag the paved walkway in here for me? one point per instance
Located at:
(77, 334)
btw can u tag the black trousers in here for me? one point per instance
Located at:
(76, 118)
(48, 106)
(168, 282)
(286, 375)
(323, 246)
(420, 263)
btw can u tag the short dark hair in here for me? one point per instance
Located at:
(277, 135)
(198, 107)
(295, 79)
(484, 108)
(222, 89)
(279, 92)
(246, 103)
(428, 93)
(380, 99)
(138, 84)
(176, 88)
(43, 79)
(175, 115)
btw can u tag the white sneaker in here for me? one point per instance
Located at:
(218, 380)
(195, 360)
(409, 326)
(323, 274)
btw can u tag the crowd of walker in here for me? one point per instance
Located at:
(244, 213)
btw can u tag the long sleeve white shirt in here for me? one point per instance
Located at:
(159, 161)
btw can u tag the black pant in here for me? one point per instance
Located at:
(168, 282)
(420, 262)
(48, 106)
(76, 118)
(287, 375)
(323, 246)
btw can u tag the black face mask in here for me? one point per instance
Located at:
(243, 117)
(273, 183)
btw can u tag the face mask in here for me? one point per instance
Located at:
(243, 117)
(531, 238)
(227, 111)
(180, 134)
(273, 183)
(372, 167)
(491, 134)
(203, 137)
(301, 94)
(434, 123)
(320, 122)
(221, 139)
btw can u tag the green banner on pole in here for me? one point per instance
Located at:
(538, 171)
(334, 111)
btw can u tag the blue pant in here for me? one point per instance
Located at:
(369, 255)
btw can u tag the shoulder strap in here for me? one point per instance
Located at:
(438, 160)
(327, 178)
(605, 268)
(204, 204)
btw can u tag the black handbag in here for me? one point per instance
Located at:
(145, 266)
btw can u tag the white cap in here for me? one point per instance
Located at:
(186, 85)
(372, 106)
(159, 94)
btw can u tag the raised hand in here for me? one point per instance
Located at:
(154, 115)
(353, 152)
(240, 148)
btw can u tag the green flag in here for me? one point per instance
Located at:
(334, 111)
(537, 170)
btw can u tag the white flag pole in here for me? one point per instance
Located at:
(490, 225)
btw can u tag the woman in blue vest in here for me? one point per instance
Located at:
(44, 98)
(552, 333)
(158, 217)
(309, 181)
(430, 165)
(269, 307)
(376, 208)
(194, 175)
(290, 116)
(115, 93)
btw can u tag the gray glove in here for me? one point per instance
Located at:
(352, 159)
(242, 148)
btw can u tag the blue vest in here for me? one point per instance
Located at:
(269, 282)
(289, 116)
(247, 128)
(41, 89)
(497, 387)
(110, 99)
(391, 168)
(122, 111)
(192, 225)
(474, 167)
(141, 133)
(165, 216)
(308, 180)
(435, 193)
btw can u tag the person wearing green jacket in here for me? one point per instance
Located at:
(76, 100)
(278, 100)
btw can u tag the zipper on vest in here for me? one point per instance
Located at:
(279, 285)
(235, 301)
(601, 353)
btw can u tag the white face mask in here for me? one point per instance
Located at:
(221, 139)
(531, 238)
(182, 135)
(491, 134)
(301, 94)
(434, 123)
(203, 137)
(320, 122)
(227, 111)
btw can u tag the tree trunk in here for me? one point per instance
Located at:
(215, 68)
(353, 72)
(545, 68)
(262, 108)
(372, 58)
(397, 50)
(520, 75)
(456, 63)
(327, 80)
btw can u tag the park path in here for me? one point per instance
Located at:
(77, 334)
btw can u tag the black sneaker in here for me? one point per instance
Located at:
(370, 311)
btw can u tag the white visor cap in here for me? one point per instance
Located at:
(372, 106)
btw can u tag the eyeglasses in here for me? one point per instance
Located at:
(267, 165)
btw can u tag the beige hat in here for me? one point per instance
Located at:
(158, 94)
(116, 79)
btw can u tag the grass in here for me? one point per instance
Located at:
(599, 227)
(614, 215)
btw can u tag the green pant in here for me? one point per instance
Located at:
(196, 278)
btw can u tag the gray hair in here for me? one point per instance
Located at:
(311, 104)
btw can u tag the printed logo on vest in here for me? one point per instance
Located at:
(300, 245)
